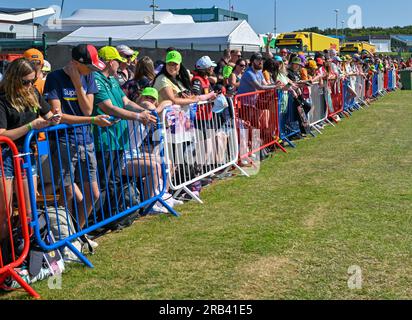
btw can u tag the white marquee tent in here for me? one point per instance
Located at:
(200, 36)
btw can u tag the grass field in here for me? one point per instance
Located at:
(343, 199)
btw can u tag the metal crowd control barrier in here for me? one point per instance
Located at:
(375, 85)
(201, 140)
(369, 88)
(349, 97)
(360, 92)
(386, 80)
(11, 254)
(321, 105)
(336, 88)
(288, 122)
(257, 120)
(90, 177)
(390, 80)
(381, 84)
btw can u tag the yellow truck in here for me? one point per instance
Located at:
(306, 42)
(352, 48)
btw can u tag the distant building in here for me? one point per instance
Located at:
(381, 42)
(213, 14)
(56, 29)
(402, 43)
(18, 30)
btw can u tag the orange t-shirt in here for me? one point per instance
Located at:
(39, 85)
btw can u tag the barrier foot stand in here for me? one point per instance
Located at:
(359, 106)
(289, 142)
(331, 123)
(178, 192)
(241, 170)
(365, 103)
(193, 195)
(280, 147)
(169, 208)
(23, 284)
(312, 134)
(79, 255)
(316, 129)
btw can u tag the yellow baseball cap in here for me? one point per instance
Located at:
(110, 53)
(312, 64)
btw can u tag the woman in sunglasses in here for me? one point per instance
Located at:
(238, 71)
(22, 109)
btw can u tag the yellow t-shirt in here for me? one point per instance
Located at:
(163, 82)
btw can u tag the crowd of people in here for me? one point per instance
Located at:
(97, 86)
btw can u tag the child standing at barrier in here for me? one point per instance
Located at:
(144, 156)
(71, 90)
(22, 109)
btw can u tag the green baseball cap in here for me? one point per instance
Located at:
(110, 53)
(227, 71)
(150, 92)
(174, 56)
(296, 60)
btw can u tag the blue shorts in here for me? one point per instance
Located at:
(8, 164)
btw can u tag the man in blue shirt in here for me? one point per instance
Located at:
(253, 79)
(71, 91)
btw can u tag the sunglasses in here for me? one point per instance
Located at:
(27, 82)
(242, 65)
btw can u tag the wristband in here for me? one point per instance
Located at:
(30, 126)
(93, 118)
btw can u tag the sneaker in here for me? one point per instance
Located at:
(69, 256)
(92, 243)
(176, 202)
(159, 209)
(168, 198)
(88, 245)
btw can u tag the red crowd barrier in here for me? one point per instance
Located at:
(386, 80)
(257, 112)
(9, 221)
(336, 88)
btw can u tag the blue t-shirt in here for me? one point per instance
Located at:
(248, 79)
(60, 87)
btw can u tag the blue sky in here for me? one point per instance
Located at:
(291, 14)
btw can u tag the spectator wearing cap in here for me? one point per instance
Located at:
(200, 82)
(173, 81)
(36, 57)
(144, 77)
(110, 99)
(126, 69)
(301, 96)
(253, 79)
(336, 66)
(71, 91)
(46, 69)
(143, 155)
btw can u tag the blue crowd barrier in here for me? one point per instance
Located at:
(288, 122)
(131, 177)
(375, 85)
